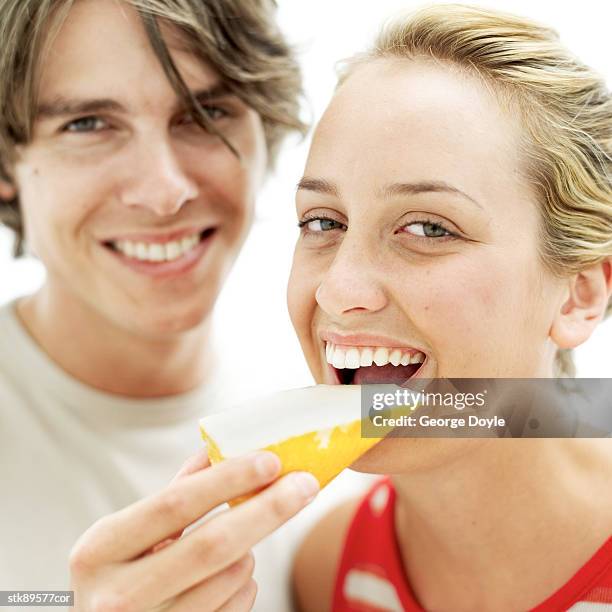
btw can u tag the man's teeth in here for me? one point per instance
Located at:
(154, 251)
(353, 357)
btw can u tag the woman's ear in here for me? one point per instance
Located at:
(584, 305)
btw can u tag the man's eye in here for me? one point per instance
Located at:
(427, 229)
(214, 114)
(85, 124)
(320, 225)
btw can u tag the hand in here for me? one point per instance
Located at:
(135, 560)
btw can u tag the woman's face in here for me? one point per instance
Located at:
(420, 235)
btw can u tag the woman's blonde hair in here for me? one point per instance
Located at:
(565, 108)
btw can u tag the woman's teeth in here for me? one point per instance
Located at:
(154, 251)
(353, 357)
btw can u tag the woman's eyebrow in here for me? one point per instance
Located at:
(318, 186)
(326, 187)
(399, 189)
(61, 106)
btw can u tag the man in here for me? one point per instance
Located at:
(133, 140)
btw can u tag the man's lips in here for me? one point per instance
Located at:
(157, 237)
(162, 260)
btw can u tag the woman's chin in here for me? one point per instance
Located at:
(390, 456)
(408, 455)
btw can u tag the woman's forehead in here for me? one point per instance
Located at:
(421, 101)
(417, 121)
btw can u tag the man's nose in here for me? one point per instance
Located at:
(350, 285)
(157, 179)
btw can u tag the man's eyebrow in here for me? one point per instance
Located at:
(61, 106)
(400, 189)
(318, 185)
(218, 90)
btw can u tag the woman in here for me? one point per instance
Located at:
(457, 207)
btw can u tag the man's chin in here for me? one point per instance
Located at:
(159, 323)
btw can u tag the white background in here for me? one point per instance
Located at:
(253, 328)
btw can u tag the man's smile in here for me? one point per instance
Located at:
(162, 255)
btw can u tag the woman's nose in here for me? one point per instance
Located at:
(157, 180)
(350, 285)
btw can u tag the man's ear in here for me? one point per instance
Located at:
(7, 190)
(584, 306)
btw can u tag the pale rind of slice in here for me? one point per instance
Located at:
(315, 429)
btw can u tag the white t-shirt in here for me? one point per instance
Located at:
(70, 454)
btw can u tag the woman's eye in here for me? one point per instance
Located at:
(427, 229)
(85, 124)
(320, 225)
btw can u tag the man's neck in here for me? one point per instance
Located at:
(506, 525)
(95, 351)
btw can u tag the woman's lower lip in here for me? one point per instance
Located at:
(332, 376)
(166, 269)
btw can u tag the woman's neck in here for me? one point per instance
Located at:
(508, 512)
(99, 353)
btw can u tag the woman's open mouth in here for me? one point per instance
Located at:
(359, 365)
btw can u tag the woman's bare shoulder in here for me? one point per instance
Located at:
(318, 557)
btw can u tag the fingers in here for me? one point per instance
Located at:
(215, 592)
(243, 600)
(196, 462)
(223, 539)
(129, 533)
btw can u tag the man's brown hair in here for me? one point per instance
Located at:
(238, 38)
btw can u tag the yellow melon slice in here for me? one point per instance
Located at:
(315, 429)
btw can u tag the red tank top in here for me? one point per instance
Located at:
(371, 576)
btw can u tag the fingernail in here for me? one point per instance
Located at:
(267, 464)
(200, 455)
(197, 458)
(306, 484)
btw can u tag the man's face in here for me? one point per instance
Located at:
(135, 211)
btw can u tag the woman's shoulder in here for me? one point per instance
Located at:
(318, 558)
